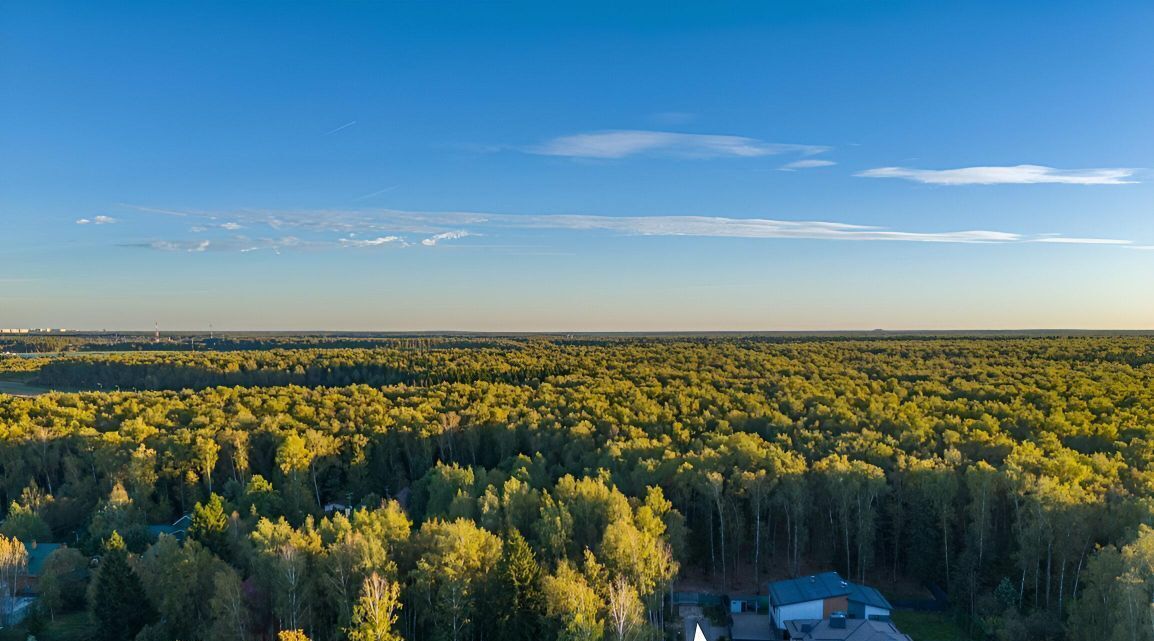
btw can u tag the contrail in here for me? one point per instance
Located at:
(344, 126)
(377, 193)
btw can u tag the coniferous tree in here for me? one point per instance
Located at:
(119, 604)
(518, 603)
(209, 526)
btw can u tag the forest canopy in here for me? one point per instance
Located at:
(559, 489)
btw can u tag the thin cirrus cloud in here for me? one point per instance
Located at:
(389, 228)
(631, 142)
(371, 242)
(808, 163)
(242, 244)
(1063, 240)
(97, 220)
(1010, 175)
(449, 235)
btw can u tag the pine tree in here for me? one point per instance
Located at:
(210, 526)
(119, 603)
(518, 598)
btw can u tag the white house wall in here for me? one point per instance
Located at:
(795, 611)
(872, 611)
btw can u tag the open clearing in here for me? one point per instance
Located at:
(929, 626)
(20, 388)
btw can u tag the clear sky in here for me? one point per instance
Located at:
(514, 166)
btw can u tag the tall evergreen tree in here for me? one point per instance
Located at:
(518, 602)
(119, 604)
(210, 526)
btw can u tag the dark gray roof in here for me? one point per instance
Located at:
(823, 586)
(854, 630)
(37, 555)
(808, 588)
(869, 596)
(692, 623)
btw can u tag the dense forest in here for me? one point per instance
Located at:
(550, 488)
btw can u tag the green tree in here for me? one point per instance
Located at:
(181, 581)
(518, 604)
(230, 615)
(454, 560)
(24, 523)
(575, 609)
(209, 526)
(62, 580)
(119, 603)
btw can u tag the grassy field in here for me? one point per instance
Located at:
(67, 627)
(19, 388)
(929, 626)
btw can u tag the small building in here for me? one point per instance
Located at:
(177, 529)
(748, 603)
(38, 553)
(332, 508)
(819, 596)
(841, 628)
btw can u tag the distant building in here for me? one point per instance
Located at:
(37, 554)
(841, 628)
(817, 597)
(331, 508)
(177, 529)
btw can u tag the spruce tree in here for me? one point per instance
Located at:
(119, 604)
(518, 598)
(209, 526)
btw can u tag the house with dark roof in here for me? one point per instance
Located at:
(37, 554)
(841, 628)
(177, 528)
(819, 596)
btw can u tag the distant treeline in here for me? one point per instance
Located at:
(578, 480)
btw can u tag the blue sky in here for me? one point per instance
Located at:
(556, 166)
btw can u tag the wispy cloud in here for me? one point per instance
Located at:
(1013, 175)
(719, 227)
(181, 245)
(371, 242)
(97, 220)
(449, 235)
(631, 142)
(348, 229)
(377, 192)
(1066, 240)
(334, 229)
(166, 212)
(341, 128)
(808, 163)
(241, 244)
